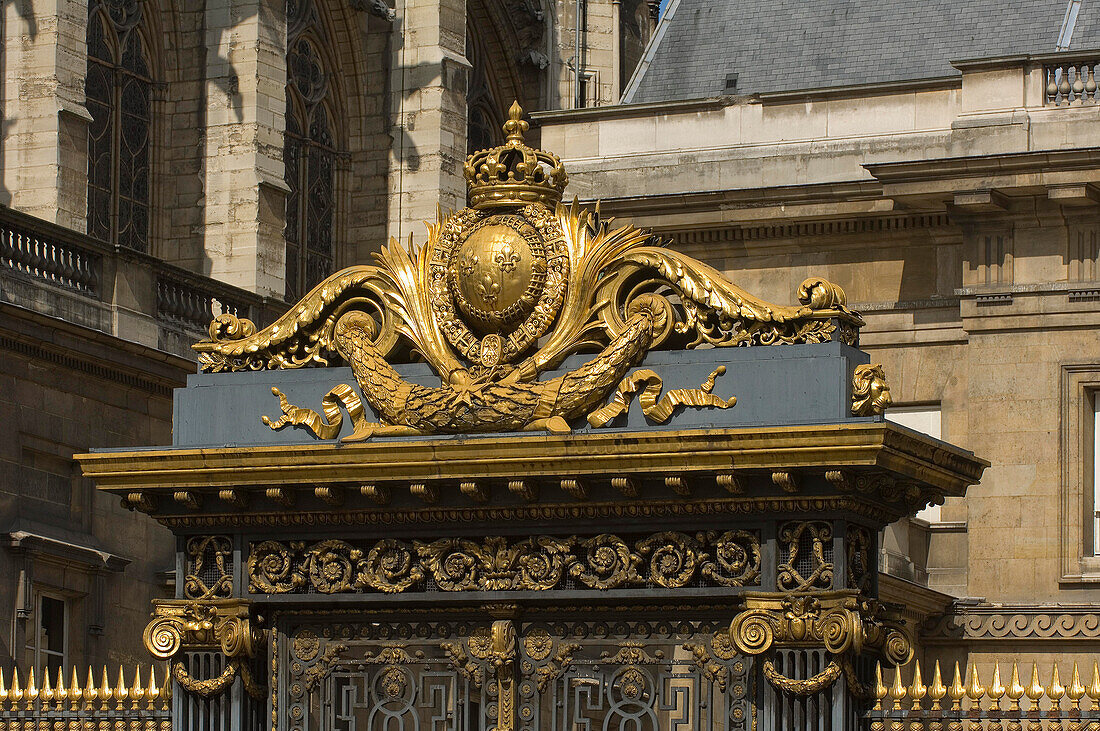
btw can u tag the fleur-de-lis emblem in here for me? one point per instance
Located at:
(488, 288)
(468, 263)
(506, 259)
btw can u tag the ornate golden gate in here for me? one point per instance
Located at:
(426, 498)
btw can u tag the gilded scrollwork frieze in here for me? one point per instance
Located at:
(540, 563)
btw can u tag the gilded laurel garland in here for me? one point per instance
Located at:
(502, 292)
(539, 563)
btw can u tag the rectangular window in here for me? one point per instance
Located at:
(1095, 474)
(1079, 455)
(47, 636)
(926, 420)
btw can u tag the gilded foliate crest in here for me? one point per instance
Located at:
(504, 291)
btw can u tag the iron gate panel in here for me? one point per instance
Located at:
(583, 675)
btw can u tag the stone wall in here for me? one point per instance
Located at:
(63, 390)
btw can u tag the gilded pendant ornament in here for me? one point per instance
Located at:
(502, 292)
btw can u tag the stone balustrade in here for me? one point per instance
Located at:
(1071, 81)
(193, 301)
(55, 271)
(59, 257)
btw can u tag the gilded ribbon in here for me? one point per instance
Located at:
(327, 427)
(655, 407)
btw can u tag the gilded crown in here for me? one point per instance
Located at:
(514, 174)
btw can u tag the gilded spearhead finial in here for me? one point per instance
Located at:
(996, 690)
(880, 689)
(897, 692)
(1075, 692)
(937, 690)
(516, 124)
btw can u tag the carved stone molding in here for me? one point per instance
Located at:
(1035, 622)
(668, 559)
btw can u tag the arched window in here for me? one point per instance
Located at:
(483, 121)
(309, 155)
(118, 96)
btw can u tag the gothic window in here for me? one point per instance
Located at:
(118, 96)
(309, 155)
(483, 121)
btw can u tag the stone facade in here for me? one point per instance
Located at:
(959, 216)
(65, 388)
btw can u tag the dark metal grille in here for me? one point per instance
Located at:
(616, 675)
(118, 96)
(632, 676)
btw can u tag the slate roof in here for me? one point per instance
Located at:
(782, 45)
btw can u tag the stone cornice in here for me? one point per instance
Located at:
(742, 198)
(52, 340)
(980, 166)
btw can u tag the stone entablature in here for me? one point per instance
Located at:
(761, 142)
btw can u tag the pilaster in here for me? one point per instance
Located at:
(245, 121)
(428, 82)
(44, 159)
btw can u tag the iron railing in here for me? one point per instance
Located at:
(136, 705)
(968, 704)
